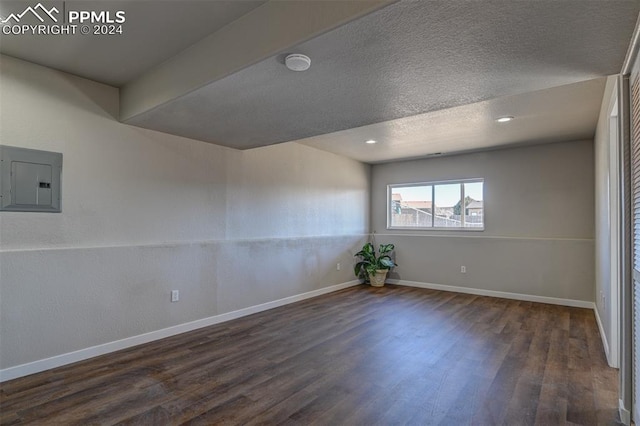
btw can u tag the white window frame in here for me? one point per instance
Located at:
(433, 184)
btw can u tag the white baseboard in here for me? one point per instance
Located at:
(625, 415)
(494, 293)
(82, 354)
(603, 337)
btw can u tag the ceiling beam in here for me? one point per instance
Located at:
(266, 31)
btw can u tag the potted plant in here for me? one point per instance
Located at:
(373, 268)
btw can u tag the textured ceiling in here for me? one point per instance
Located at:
(419, 76)
(558, 114)
(406, 59)
(153, 32)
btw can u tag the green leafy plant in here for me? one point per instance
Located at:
(370, 262)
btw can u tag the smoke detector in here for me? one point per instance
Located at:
(297, 62)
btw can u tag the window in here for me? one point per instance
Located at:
(437, 205)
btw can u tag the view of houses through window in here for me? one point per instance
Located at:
(451, 204)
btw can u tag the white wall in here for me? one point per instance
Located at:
(146, 212)
(539, 219)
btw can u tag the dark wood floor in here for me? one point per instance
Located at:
(361, 356)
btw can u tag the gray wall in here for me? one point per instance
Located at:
(539, 222)
(146, 212)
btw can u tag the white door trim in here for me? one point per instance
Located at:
(614, 228)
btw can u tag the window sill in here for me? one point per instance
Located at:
(398, 228)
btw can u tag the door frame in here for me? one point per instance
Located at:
(615, 231)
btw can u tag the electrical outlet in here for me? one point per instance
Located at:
(175, 295)
(338, 266)
(463, 269)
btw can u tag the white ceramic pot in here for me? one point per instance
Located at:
(378, 279)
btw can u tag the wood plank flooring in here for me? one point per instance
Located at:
(360, 356)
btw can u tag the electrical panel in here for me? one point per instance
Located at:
(30, 180)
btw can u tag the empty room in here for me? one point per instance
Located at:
(304, 212)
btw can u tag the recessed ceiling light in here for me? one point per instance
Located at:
(297, 62)
(370, 141)
(504, 119)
